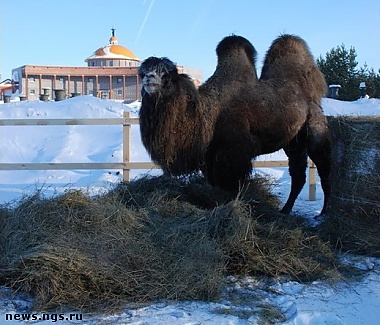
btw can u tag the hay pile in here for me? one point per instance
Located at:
(354, 212)
(155, 238)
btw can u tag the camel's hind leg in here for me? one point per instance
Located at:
(321, 159)
(297, 170)
(319, 149)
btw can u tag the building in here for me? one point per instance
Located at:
(7, 87)
(111, 73)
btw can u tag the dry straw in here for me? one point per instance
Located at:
(150, 239)
(353, 221)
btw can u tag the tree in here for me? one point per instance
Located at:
(340, 67)
(372, 81)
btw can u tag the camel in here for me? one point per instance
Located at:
(235, 117)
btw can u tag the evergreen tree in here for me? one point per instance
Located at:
(372, 81)
(340, 67)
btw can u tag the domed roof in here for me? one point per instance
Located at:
(113, 51)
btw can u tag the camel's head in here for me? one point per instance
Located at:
(155, 73)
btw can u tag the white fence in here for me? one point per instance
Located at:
(126, 165)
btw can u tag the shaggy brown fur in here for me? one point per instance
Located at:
(176, 119)
(233, 117)
(281, 111)
(166, 110)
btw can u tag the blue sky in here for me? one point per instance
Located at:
(49, 32)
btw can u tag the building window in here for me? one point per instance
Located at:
(32, 79)
(119, 92)
(119, 80)
(61, 79)
(90, 79)
(32, 91)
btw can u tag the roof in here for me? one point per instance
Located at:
(113, 51)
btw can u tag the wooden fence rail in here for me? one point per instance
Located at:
(126, 165)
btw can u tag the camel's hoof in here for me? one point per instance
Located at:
(285, 211)
(320, 217)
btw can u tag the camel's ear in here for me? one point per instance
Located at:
(170, 66)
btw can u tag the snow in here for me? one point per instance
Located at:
(335, 86)
(354, 302)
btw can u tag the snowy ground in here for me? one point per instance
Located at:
(353, 302)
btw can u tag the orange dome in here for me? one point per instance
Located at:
(113, 51)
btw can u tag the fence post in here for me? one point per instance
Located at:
(312, 182)
(126, 145)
